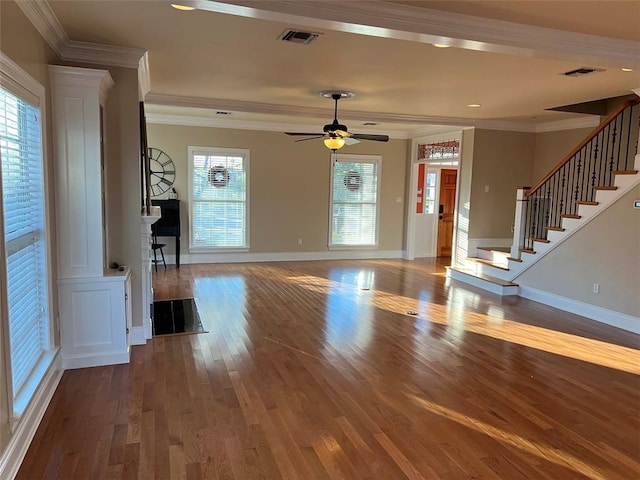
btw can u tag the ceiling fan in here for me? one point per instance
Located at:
(337, 135)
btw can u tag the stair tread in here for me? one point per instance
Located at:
(585, 202)
(556, 229)
(487, 262)
(519, 260)
(625, 172)
(526, 250)
(605, 188)
(488, 278)
(570, 215)
(541, 240)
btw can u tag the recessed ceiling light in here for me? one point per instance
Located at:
(625, 69)
(184, 8)
(441, 45)
(474, 105)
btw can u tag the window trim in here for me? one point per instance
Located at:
(246, 153)
(346, 158)
(16, 80)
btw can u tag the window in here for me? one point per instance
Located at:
(24, 233)
(354, 201)
(430, 193)
(219, 198)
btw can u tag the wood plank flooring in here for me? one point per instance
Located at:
(351, 370)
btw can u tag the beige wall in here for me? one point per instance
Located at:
(503, 161)
(550, 149)
(289, 185)
(21, 43)
(595, 255)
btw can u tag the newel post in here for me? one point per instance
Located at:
(522, 202)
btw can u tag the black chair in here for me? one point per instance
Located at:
(155, 246)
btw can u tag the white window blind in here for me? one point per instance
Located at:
(354, 196)
(219, 198)
(24, 235)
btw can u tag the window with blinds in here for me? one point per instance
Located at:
(219, 206)
(24, 236)
(354, 201)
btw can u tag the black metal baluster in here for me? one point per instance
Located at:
(596, 150)
(576, 194)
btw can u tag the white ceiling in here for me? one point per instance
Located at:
(507, 56)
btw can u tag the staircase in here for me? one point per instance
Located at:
(595, 174)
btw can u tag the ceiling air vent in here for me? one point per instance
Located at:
(579, 72)
(296, 36)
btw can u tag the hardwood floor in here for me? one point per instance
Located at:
(351, 370)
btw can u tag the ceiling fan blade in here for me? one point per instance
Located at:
(368, 136)
(310, 138)
(351, 141)
(296, 134)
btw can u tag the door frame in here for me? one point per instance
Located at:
(410, 244)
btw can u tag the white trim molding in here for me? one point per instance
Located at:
(15, 451)
(44, 20)
(138, 335)
(593, 312)
(239, 257)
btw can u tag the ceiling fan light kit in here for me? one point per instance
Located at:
(334, 143)
(336, 135)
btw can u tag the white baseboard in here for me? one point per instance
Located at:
(243, 257)
(138, 336)
(148, 330)
(599, 314)
(14, 453)
(97, 360)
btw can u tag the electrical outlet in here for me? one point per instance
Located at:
(596, 288)
(299, 241)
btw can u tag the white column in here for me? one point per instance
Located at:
(518, 225)
(147, 283)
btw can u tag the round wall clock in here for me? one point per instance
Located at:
(163, 172)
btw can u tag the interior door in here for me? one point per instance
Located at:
(446, 211)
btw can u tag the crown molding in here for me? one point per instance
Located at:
(99, 54)
(197, 121)
(297, 111)
(46, 23)
(590, 121)
(426, 124)
(403, 22)
(44, 20)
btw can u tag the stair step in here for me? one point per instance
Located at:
(625, 172)
(556, 229)
(487, 262)
(527, 250)
(570, 215)
(519, 260)
(541, 240)
(493, 284)
(605, 188)
(584, 202)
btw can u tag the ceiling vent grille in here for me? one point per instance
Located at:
(580, 72)
(296, 36)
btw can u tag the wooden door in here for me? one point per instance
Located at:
(446, 211)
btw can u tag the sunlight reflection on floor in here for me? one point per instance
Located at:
(460, 320)
(545, 452)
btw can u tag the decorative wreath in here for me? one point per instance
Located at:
(218, 176)
(352, 180)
